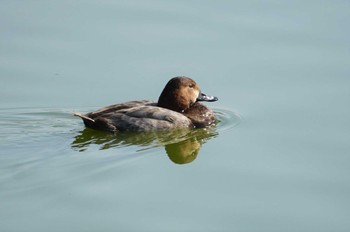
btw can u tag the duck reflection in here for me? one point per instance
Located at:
(182, 146)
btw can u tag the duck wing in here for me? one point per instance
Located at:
(135, 116)
(147, 118)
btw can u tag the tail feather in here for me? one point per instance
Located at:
(83, 117)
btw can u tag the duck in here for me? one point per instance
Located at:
(179, 106)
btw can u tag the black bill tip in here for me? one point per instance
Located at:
(204, 97)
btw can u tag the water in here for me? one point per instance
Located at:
(277, 161)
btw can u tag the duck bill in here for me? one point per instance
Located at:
(204, 97)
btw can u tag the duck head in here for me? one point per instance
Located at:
(180, 93)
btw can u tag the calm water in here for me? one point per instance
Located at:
(279, 160)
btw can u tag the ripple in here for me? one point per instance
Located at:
(227, 119)
(27, 124)
(31, 129)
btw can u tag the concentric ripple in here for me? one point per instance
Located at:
(227, 119)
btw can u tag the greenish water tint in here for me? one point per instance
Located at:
(182, 146)
(278, 160)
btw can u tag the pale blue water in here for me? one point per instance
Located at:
(279, 160)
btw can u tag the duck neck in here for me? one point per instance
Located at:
(173, 102)
(171, 105)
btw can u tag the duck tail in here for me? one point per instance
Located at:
(83, 117)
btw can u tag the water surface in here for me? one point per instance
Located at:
(278, 160)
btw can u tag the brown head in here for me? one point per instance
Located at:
(180, 93)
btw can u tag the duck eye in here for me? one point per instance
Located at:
(191, 86)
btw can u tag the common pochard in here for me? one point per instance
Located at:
(177, 107)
